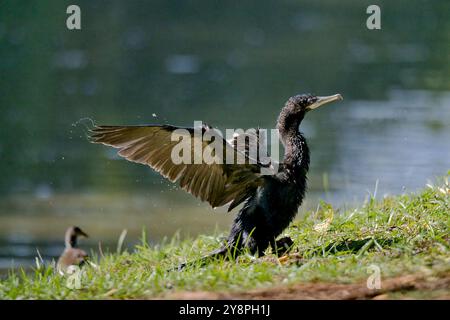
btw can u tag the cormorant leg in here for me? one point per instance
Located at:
(237, 241)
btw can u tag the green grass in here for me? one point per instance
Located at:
(402, 235)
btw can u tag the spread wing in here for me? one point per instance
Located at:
(217, 183)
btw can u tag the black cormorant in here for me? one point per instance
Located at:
(270, 201)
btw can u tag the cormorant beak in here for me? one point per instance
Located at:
(324, 100)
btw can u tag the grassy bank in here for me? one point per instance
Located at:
(405, 238)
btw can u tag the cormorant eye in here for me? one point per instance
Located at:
(311, 100)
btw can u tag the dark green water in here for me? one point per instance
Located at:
(230, 65)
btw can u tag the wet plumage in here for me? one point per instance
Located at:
(270, 201)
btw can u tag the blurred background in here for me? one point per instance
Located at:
(232, 65)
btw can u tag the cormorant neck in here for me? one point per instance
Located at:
(288, 124)
(296, 152)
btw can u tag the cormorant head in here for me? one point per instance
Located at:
(297, 106)
(302, 103)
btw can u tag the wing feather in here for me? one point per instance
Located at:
(218, 184)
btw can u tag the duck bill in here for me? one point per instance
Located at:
(324, 100)
(82, 233)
